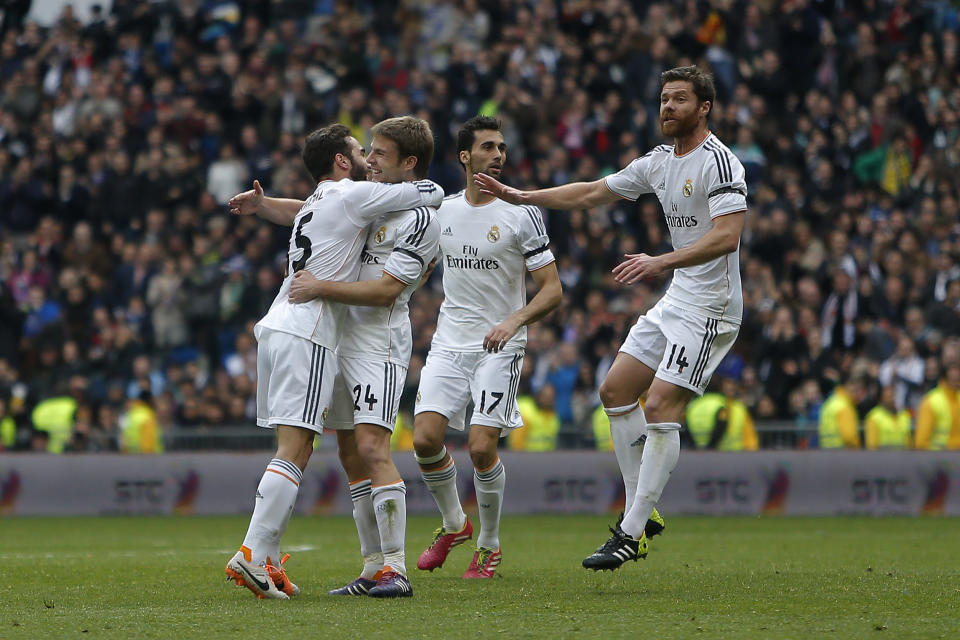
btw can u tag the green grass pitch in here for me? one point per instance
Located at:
(704, 578)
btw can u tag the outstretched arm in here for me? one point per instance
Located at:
(576, 195)
(547, 299)
(724, 238)
(277, 210)
(364, 293)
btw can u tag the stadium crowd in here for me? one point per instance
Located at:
(127, 293)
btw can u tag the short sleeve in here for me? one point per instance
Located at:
(364, 201)
(417, 241)
(723, 178)
(533, 240)
(633, 180)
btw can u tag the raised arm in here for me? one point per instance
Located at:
(549, 295)
(280, 211)
(724, 238)
(576, 195)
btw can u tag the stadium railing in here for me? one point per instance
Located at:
(774, 434)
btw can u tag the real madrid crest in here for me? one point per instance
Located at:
(381, 234)
(323, 417)
(418, 396)
(688, 188)
(494, 234)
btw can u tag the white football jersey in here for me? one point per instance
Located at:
(328, 235)
(694, 189)
(485, 250)
(401, 243)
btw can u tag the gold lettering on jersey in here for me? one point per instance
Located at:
(381, 234)
(688, 188)
(494, 234)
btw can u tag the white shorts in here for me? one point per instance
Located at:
(449, 380)
(684, 347)
(366, 392)
(294, 381)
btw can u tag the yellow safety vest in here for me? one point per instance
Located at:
(540, 428)
(941, 407)
(8, 432)
(139, 430)
(55, 416)
(702, 416)
(887, 430)
(402, 438)
(830, 435)
(601, 430)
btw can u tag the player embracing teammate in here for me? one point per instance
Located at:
(299, 338)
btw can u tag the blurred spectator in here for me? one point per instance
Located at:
(886, 427)
(904, 371)
(839, 421)
(541, 423)
(718, 420)
(938, 418)
(139, 431)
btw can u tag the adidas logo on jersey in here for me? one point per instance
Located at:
(447, 232)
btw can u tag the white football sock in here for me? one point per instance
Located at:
(276, 496)
(489, 485)
(366, 520)
(390, 505)
(442, 484)
(628, 430)
(660, 455)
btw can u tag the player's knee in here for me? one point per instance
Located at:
(613, 394)
(426, 444)
(482, 455)
(372, 453)
(659, 408)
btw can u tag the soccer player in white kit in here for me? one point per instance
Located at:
(477, 350)
(674, 348)
(296, 363)
(374, 352)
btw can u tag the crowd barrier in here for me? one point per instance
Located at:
(753, 483)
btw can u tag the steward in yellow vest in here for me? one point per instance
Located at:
(885, 427)
(55, 417)
(938, 418)
(718, 422)
(839, 421)
(540, 423)
(602, 440)
(139, 431)
(402, 438)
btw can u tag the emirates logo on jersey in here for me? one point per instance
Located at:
(381, 234)
(688, 188)
(494, 234)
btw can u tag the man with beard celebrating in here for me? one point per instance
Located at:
(673, 350)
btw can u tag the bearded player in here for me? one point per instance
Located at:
(673, 350)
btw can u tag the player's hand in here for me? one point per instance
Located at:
(497, 189)
(498, 337)
(637, 266)
(248, 202)
(303, 288)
